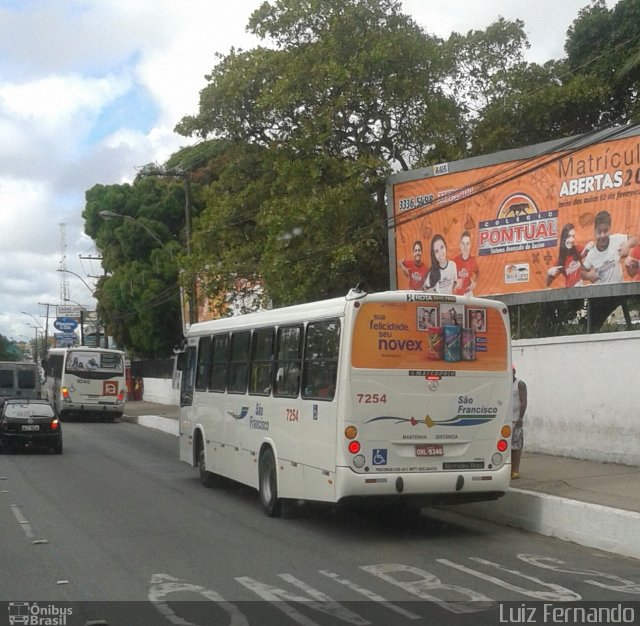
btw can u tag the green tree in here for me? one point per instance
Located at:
(605, 44)
(138, 298)
(348, 90)
(9, 350)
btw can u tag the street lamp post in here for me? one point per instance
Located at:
(153, 169)
(35, 346)
(110, 215)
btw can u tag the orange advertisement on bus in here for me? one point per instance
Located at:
(562, 219)
(430, 333)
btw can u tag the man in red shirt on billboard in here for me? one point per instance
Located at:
(468, 270)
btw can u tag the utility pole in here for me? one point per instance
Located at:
(45, 350)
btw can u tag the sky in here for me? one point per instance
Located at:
(92, 89)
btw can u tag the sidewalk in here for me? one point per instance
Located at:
(592, 504)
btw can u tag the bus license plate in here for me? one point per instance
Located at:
(31, 427)
(433, 449)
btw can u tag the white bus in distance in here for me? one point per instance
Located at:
(352, 398)
(84, 382)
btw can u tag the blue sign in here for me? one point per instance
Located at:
(379, 456)
(65, 324)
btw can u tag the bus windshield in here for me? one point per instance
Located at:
(87, 362)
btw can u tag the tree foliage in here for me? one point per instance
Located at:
(9, 350)
(138, 298)
(299, 134)
(348, 91)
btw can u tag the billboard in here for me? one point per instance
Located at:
(550, 217)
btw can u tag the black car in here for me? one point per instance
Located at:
(29, 423)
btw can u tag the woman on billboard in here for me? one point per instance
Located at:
(443, 273)
(570, 257)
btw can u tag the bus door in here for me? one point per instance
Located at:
(421, 405)
(186, 364)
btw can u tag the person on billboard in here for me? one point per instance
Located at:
(443, 273)
(570, 257)
(601, 265)
(632, 264)
(414, 269)
(467, 266)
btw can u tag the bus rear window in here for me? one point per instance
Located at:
(27, 379)
(6, 379)
(79, 362)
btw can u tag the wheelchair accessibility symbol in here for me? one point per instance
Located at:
(379, 456)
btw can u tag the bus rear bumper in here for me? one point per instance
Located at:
(76, 409)
(451, 487)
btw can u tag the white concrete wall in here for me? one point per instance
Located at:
(584, 395)
(160, 390)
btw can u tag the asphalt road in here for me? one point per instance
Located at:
(117, 517)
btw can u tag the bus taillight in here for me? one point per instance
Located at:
(354, 447)
(121, 396)
(505, 431)
(65, 394)
(502, 445)
(350, 432)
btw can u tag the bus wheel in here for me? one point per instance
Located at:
(268, 482)
(206, 478)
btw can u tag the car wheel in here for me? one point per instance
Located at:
(268, 485)
(208, 479)
(57, 449)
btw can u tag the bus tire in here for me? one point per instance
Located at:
(268, 485)
(208, 479)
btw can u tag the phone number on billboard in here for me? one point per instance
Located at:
(416, 202)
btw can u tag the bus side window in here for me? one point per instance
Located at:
(288, 361)
(219, 363)
(261, 361)
(204, 361)
(239, 362)
(320, 366)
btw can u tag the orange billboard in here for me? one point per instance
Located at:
(429, 333)
(567, 217)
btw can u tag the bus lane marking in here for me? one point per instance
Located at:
(558, 593)
(370, 595)
(420, 583)
(556, 565)
(162, 585)
(280, 599)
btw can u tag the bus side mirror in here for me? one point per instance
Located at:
(180, 361)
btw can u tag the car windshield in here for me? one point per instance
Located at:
(28, 410)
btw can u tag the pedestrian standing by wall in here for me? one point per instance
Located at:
(519, 391)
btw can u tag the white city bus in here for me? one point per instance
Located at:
(353, 398)
(86, 382)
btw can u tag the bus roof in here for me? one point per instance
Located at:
(334, 307)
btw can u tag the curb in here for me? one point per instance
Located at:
(545, 514)
(583, 523)
(155, 422)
